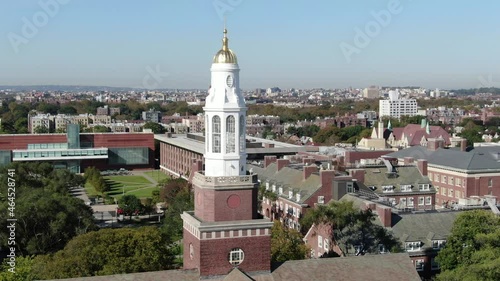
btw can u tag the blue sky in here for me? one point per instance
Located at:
(284, 43)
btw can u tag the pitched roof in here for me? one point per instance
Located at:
(386, 267)
(405, 175)
(423, 227)
(370, 267)
(290, 179)
(237, 275)
(477, 159)
(415, 132)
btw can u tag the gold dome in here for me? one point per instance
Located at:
(225, 55)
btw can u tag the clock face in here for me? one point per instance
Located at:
(229, 81)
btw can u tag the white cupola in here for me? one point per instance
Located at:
(225, 117)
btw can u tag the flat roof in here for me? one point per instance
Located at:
(182, 141)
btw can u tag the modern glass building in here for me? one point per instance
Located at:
(76, 151)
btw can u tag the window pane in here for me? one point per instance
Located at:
(129, 156)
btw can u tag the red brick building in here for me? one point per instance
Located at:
(298, 187)
(458, 174)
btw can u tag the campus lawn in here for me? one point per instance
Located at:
(119, 185)
(143, 193)
(157, 175)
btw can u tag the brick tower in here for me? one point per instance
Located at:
(223, 232)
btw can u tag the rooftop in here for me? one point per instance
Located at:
(375, 268)
(479, 159)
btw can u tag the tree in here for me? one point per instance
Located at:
(101, 129)
(41, 130)
(47, 108)
(472, 251)
(155, 127)
(100, 185)
(106, 252)
(47, 221)
(130, 205)
(23, 270)
(286, 244)
(350, 227)
(178, 198)
(47, 214)
(67, 109)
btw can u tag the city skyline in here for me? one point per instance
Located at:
(324, 44)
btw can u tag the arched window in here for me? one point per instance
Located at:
(206, 134)
(230, 134)
(242, 133)
(216, 134)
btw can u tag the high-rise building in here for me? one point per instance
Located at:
(223, 232)
(396, 106)
(371, 92)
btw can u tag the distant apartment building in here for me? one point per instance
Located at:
(44, 121)
(151, 116)
(257, 124)
(395, 106)
(195, 124)
(371, 92)
(105, 110)
(58, 123)
(342, 121)
(444, 115)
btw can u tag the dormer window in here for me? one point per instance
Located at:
(274, 188)
(413, 246)
(267, 186)
(280, 190)
(290, 194)
(297, 197)
(424, 187)
(438, 244)
(406, 187)
(387, 188)
(350, 187)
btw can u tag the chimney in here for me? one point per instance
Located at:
(308, 170)
(308, 161)
(371, 206)
(385, 215)
(326, 178)
(463, 145)
(435, 144)
(269, 145)
(358, 174)
(422, 167)
(282, 163)
(408, 160)
(268, 160)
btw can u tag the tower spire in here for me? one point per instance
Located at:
(225, 45)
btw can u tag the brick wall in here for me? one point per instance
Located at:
(225, 205)
(214, 255)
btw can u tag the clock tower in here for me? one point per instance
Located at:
(223, 232)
